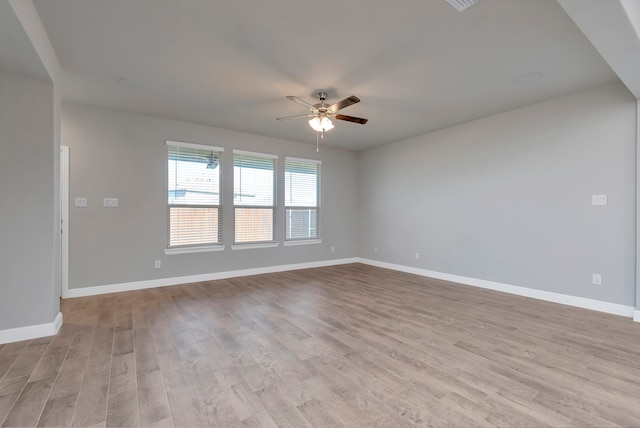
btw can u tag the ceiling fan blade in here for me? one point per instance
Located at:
(294, 117)
(300, 101)
(351, 119)
(344, 103)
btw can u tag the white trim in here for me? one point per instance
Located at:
(302, 242)
(254, 246)
(636, 314)
(575, 301)
(188, 250)
(262, 155)
(64, 219)
(580, 302)
(57, 323)
(164, 282)
(31, 331)
(316, 161)
(194, 146)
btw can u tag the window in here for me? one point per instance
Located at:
(301, 186)
(254, 197)
(194, 203)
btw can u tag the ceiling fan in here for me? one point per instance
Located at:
(321, 113)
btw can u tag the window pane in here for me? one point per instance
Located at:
(193, 194)
(254, 225)
(193, 176)
(193, 226)
(253, 180)
(302, 223)
(301, 184)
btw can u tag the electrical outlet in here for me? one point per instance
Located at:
(375, 250)
(158, 264)
(596, 279)
(417, 256)
(333, 249)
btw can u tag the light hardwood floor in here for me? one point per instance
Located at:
(346, 346)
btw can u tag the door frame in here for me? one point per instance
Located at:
(64, 221)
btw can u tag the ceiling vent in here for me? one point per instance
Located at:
(461, 5)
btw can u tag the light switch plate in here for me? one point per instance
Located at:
(110, 202)
(81, 202)
(599, 200)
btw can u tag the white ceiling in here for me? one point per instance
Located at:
(417, 65)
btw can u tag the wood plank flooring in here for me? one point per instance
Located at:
(343, 346)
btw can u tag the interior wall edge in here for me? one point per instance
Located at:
(564, 299)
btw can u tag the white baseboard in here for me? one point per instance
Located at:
(31, 331)
(580, 302)
(164, 282)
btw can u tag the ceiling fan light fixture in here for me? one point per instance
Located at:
(321, 124)
(461, 5)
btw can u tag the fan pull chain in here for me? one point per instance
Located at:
(318, 141)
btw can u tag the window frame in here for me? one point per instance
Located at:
(306, 240)
(202, 247)
(274, 207)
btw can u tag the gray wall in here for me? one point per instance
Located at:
(28, 232)
(123, 155)
(507, 198)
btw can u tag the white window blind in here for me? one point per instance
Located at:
(302, 194)
(194, 202)
(254, 197)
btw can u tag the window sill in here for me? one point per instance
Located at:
(254, 246)
(187, 250)
(303, 242)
